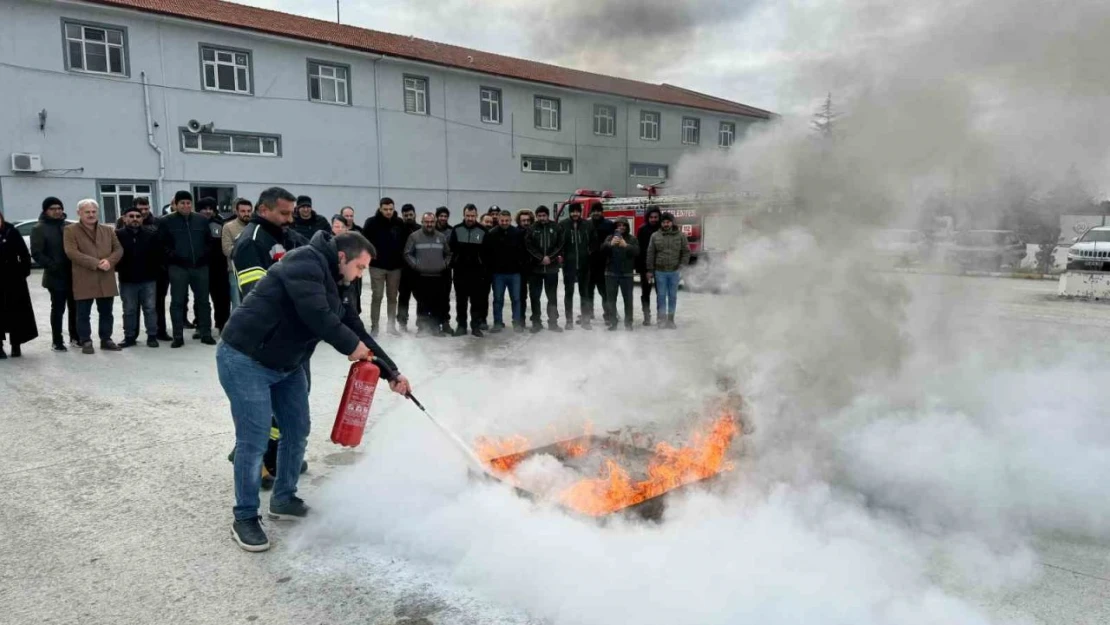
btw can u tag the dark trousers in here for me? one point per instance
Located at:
(541, 282)
(136, 295)
(445, 286)
(645, 294)
(220, 291)
(60, 299)
(471, 290)
(163, 289)
(431, 301)
(579, 276)
(624, 283)
(404, 294)
(104, 318)
(524, 278)
(181, 280)
(597, 285)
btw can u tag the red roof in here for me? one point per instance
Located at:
(373, 41)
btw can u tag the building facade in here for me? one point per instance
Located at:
(119, 99)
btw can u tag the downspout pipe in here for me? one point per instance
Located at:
(150, 139)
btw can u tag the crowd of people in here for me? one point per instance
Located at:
(193, 252)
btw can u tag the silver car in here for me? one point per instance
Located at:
(986, 249)
(1091, 252)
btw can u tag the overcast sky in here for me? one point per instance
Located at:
(728, 48)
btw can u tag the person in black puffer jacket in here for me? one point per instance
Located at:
(603, 229)
(17, 316)
(621, 251)
(48, 250)
(138, 277)
(387, 233)
(185, 239)
(307, 223)
(270, 336)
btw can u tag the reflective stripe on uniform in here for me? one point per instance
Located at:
(251, 274)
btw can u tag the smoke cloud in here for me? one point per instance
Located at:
(910, 443)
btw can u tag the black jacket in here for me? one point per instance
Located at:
(217, 262)
(541, 240)
(184, 239)
(17, 316)
(503, 250)
(580, 242)
(299, 303)
(388, 237)
(142, 254)
(48, 250)
(257, 248)
(466, 246)
(620, 261)
(309, 227)
(643, 238)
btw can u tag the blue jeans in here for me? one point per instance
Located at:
(501, 281)
(256, 393)
(84, 321)
(666, 292)
(137, 295)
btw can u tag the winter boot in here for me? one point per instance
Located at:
(536, 328)
(670, 322)
(554, 326)
(460, 331)
(647, 317)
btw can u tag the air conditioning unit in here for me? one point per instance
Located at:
(29, 163)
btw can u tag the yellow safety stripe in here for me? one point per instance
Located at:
(253, 274)
(275, 434)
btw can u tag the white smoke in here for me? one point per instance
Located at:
(908, 447)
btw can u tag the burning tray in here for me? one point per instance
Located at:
(599, 476)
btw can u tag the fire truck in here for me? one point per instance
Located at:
(689, 210)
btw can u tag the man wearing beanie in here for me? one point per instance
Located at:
(184, 236)
(48, 250)
(138, 275)
(307, 222)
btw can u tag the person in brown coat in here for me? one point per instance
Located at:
(94, 250)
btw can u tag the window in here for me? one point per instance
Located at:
(490, 104)
(647, 170)
(416, 95)
(95, 49)
(328, 82)
(225, 69)
(547, 113)
(649, 126)
(545, 164)
(605, 120)
(115, 198)
(225, 142)
(691, 130)
(727, 135)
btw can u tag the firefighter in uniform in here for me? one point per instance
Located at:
(265, 239)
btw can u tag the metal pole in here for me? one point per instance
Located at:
(337, 12)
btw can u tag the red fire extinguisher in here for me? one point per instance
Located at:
(354, 408)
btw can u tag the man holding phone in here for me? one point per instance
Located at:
(621, 251)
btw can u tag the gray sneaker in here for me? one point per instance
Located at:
(249, 535)
(292, 510)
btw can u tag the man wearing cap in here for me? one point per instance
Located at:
(48, 250)
(307, 222)
(185, 238)
(138, 276)
(218, 287)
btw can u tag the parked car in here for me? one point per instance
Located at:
(901, 247)
(986, 249)
(1091, 252)
(25, 227)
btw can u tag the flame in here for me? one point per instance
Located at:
(615, 489)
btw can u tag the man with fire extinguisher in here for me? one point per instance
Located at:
(265, 239)
(260, 361)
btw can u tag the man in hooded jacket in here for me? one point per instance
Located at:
(48, 250)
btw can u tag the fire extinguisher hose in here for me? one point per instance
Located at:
(467, 452)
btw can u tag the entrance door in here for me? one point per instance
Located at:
(223, 194)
